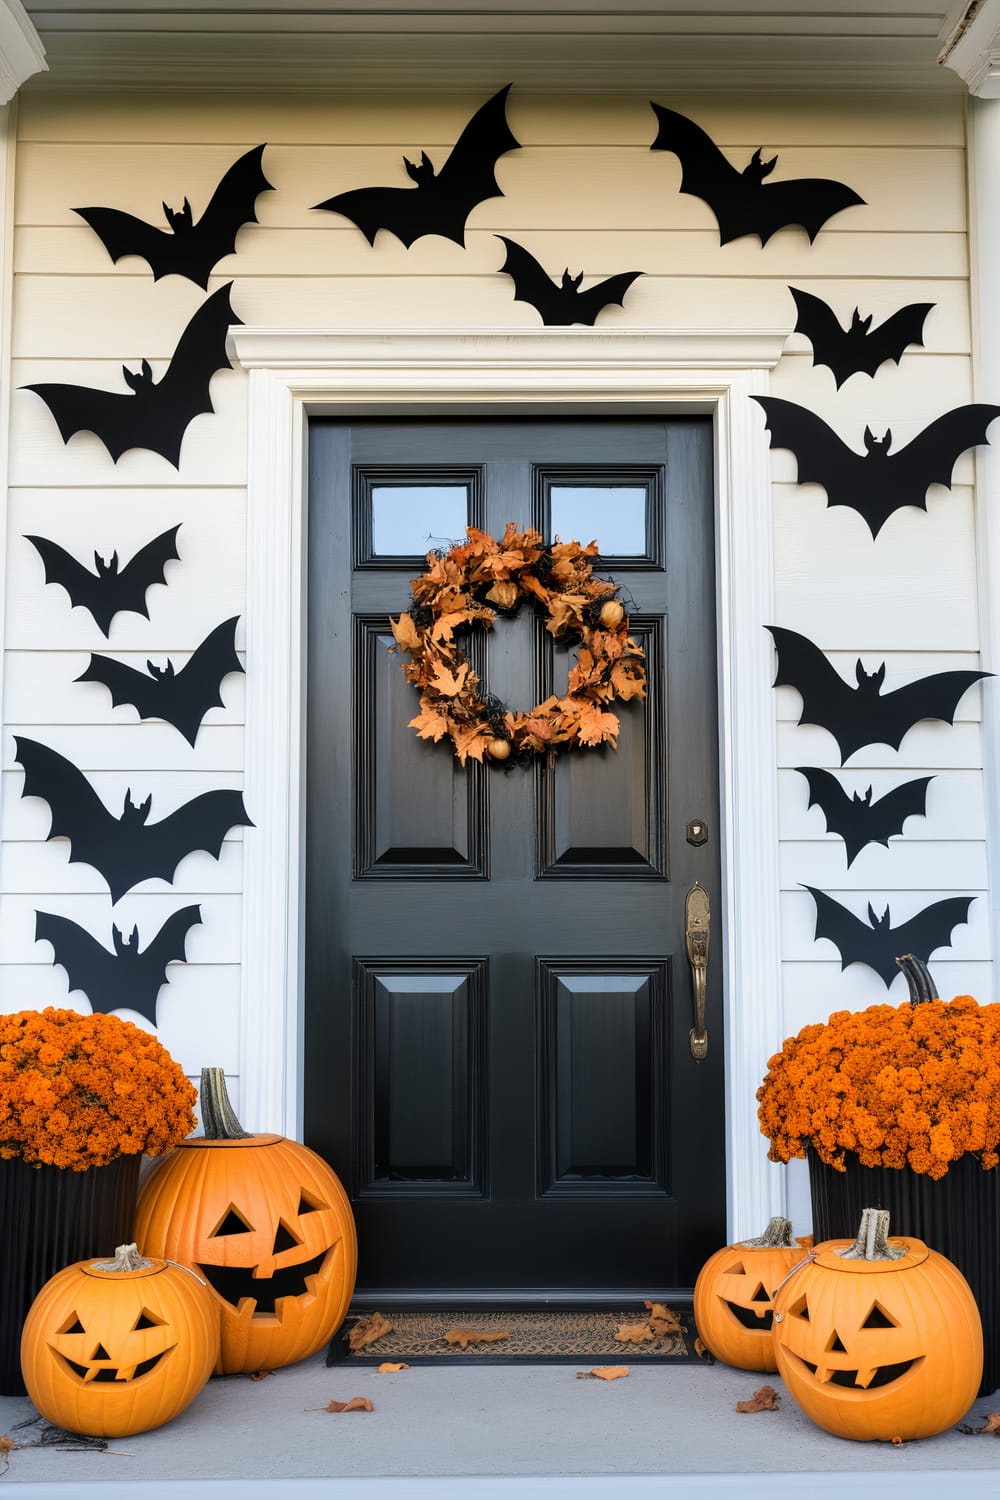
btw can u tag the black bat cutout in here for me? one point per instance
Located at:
(125, 979)
(742, 202)
(126, 849)
(109, 591)
(155, 414)
(857, 819)
(186, 248)
(875, 483)
(440, 202)
(181, 698)
(564, 303)
(858, 349)
(879, 945)
(863, 715)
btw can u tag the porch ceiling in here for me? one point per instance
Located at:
(462, 45)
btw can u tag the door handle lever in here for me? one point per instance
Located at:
(697, 927)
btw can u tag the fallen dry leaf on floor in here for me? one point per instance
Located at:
(367, 1330)
(634, 1333)
(603, 1372)
(765, 1398)
(261, 1374)
(389, 1369)
(700, 1347)
(463, 1337)
(6, 1444)
(356, 1403)
(662, 1320)
(992, 1424)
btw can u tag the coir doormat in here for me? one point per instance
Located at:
(649, 1334)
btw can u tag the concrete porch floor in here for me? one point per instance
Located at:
(495, 1432)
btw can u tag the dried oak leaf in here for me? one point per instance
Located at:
(391, 1369)
(662, 1319)
(765, 1398)
(634, 1333)
(463, 1337)
(603, 1372)
(367, 1330)
(992, 1424)
(356, 1403)
(261, 1374)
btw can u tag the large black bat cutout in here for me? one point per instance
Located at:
(109, 592)
(742, 202)
(862, 715)
(125, 979)
(182, 698)
(440, 202)
(875, 483)
(187, 249)
(858, 820)
(124, 850)
(155, 414)
(562, 304)
(858, 349)
(878, 945)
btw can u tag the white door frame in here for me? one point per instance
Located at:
(296, 373)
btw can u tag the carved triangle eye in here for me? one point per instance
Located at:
(233, 1222)
(879, 1318)
(309, 1204)
(146, 1319)
(799, 1309)
(74, 1326)
(284, 1239)
(739, 1269)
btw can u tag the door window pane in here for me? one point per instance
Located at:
(410, 519)
(612, 515)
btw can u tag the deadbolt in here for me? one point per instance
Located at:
(697, 831)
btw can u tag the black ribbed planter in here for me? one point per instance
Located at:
(49, 1218)
(958, 1215)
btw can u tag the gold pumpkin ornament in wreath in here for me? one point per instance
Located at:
(473, 583)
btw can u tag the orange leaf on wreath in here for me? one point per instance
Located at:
(430, 725)
(471, 741)
(449, 684)
(596, 727)
(405, 632)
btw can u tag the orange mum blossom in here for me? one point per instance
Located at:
(79, 1091)
(915, 1085)
(469, 586)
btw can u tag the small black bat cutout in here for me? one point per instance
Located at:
(857, 819)
(561, 304)
(440, 202)
(875, 483)
(125, 979)
(861, 715)
(155, 414)
(126, 849)
(109, 592)
(181, 698)
(187, 249)
(742, 202)
(879, 945)
(858, 349)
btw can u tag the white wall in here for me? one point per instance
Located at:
(585, 191)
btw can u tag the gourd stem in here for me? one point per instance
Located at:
(218, 1117)
(871, 1241)
(777, 1236)
(918, 977)
(127, 1258)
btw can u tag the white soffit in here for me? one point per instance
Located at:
(21, 51)
(972, 46)
(467, 46)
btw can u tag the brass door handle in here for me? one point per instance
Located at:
(697, 925)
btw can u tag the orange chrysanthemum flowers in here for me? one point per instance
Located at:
(907, 1085)
(79, 1091)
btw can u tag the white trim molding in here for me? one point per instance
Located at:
(295, 373)
(21, 51)
(971, 36)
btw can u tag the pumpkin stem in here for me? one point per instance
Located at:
(218, 1117)
(918, 977)
(127, 1258)
(777, 1236)
(871, 1241)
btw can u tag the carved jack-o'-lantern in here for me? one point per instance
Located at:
(116, 1347)
(732, 1296)
(879, 1339)
(268, 1225)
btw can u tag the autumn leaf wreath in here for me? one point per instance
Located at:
(470, 585)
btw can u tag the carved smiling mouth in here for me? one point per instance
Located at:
(757, 1322)
(90, 1376)
(236, 1283)
(883, 1375)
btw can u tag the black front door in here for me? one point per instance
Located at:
(499, 998)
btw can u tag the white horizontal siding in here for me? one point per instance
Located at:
(584, 192)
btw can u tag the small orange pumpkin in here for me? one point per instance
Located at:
(733, 1296)
(879, 1339)
(269, 1226)
(111, 1348)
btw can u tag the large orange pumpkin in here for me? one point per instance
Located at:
(116, 1347)
(732, 1296)
(879, 1339)
(268, 1225)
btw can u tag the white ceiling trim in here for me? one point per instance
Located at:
(972, 48)
(21, 50)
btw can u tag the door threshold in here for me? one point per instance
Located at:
(584, 1299)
